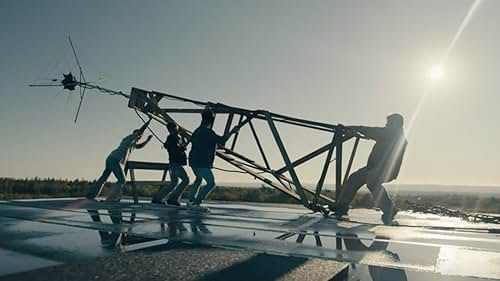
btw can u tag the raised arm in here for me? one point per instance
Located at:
(230, 133)
(220, 140)
(143, 144)
(143, 127)
(184, 143)
(369, 132)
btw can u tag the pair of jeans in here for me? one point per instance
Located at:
(176, 172)
(373, 179)
(112, 166)
(197, 194)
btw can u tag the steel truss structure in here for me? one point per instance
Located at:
(283, 178)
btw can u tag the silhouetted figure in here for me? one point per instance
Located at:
(201, 158)
(113, 161)
(176, 147)
(383, 165)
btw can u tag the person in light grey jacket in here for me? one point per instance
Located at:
(113, 161)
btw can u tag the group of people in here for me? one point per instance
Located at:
(383, 164)
(201, 157)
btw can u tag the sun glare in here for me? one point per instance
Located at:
(436, 73)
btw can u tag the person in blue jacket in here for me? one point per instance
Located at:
(201, 158)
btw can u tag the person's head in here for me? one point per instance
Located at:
(172, 128)
(395, 120)
(207, 116)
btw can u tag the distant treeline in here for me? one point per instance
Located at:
(41, 188)
(45, 188)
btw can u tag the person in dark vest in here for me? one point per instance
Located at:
(176, 147)
(383, 166)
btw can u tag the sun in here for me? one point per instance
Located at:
(436, 72)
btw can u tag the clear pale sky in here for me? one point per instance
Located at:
(350, 62)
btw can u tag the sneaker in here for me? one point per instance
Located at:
(197, 207)
(157, 202)
(189, 204)
(341, 216)
(337, 212)
(173, 203)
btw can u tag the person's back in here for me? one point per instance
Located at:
(125, 147)
(175, 149)
(203, 144)
(201, 158)
(388, 152)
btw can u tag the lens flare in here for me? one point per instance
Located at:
(439, 73)
(436, 73)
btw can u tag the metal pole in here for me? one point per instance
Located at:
(338, 162)
(307, 157)
(288, 163)
(237, 133)
(351, 159)
(229, 122)
(321, 181)
(261, 150)
(134, 187)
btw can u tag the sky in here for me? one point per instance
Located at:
(349, 62)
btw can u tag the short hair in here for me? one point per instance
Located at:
(207, 116)
(171, 126)
(396, 119)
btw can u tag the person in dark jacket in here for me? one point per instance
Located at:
(201, 158)
(383, 166)
(176, 147)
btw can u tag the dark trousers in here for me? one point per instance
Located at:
(373, 180)
(112, 166)
(176, 172)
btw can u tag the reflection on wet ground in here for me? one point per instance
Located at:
(424, 247)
